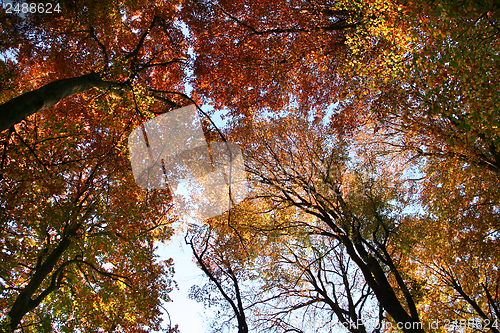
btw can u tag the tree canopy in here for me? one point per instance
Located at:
(370, 135)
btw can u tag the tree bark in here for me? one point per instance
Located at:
(17, 109)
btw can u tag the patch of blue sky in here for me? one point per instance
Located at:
(187, 313)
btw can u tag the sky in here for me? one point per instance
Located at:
(188, 314)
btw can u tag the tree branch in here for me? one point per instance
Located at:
(17, 109)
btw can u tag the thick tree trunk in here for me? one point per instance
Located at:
(17, 109)
(24, 302)
(377, 280)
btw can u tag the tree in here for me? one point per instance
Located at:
(446, 113)
(353, 209)
(122, 45)
(253, 56)
(263, 263)
(78, 235)
(359, 57)
(407, 258)
(304, 172)
(459, 244)
(217, 266)
(441, 99)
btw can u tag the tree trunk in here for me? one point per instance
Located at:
(24, 302)
(17, 109)
(376, 278)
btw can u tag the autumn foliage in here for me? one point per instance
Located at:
(370, 133)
